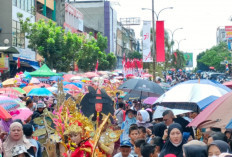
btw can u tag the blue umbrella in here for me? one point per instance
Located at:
(39, 92)
(206, 102)
(229, 125)
(79, 85)
(56, 78)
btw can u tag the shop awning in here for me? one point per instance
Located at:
(9, 49)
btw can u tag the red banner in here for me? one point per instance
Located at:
(160, 47)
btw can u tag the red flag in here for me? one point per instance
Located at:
(124, 60)
(18, 63)
(76, 67)
(160, 48)
(96, 66)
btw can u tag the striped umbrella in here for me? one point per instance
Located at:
(10, 91)
(8, 103)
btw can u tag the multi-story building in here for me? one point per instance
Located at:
(45, 9)
(99, 16)
(221, 35)
(10, 31)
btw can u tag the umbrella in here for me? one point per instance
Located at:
(56, 78)
(119, 77)
(34, 81)
(229, 125)
(55, 89)
(22, 113)
(186, 96)
(44, 85)
(79, 85)
(67, 77)
(8, 103)
(71, 86)
(102, 72)
(206, 102)
(40, 92)
(20, 90)
(27, 89)
(150, 100)
(12, 96)
(215, 115)
(76, 78)
(228, 84)
(146, 75)
(160, 109)
(91, 74)
(4, 114)
(142, 88)
(10, 91)
(8, 82)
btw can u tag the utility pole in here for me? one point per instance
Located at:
(153, 45)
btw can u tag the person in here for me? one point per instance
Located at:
(130, 119)
(168, 117)
(194, 151)
(133, 135)
(159, 144)
(16, 137)
(119, 113)
(28, 131)
(158, 129)
(142, 132)
(217, 136)
(29, 104)
(125, 150)
(20, 151)
(175, 141)
(143, 118)
(40, 108)
(137, 146)
(228, 135)
(218, 147)
(148, 150)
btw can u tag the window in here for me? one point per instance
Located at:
(14, 2)
(18, 38)
(18, 3)
(22, 5)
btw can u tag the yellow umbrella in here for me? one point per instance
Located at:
(8, 82)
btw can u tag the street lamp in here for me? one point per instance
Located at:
(153, 33)
(172, 32)
(179, 43)
(157, 15)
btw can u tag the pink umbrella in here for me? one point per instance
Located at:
(146, 75)
(10, 91)
(91, 74)
(12, 96)
(22, 113)
(71, 86)
(150, 100)
(67, 77)
(216, 114)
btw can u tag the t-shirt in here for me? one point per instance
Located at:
(120, 155)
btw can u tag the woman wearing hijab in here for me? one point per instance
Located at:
(130, 119)
(195, 151)
(158, 129)
(16, 137)
(175, 141)
(143, 118)
(218, 147)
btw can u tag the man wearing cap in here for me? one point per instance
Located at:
(125, 149)
(40, 107)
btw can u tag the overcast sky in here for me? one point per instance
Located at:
(199, 19)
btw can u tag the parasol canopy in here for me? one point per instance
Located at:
(40, 92)
(150, 100)
(228, 84)
(44, 85)
(8, 103)
(142, 88)
(10, 91)
(27, 89)
(91, 74)
(67, 77)
(8, 82)
(20, 90)
(4, 114)
(44, 71)
(75, 78)
(34, 81)
(56, 78)
(22, 113)
(71, 86)
(216, 114)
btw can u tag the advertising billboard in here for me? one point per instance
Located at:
(4, 64)
(146, 41)
(189, 59)
(228, 30)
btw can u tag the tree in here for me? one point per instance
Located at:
(178, 60)
(135, 55)
(200, 65)
(214, 56)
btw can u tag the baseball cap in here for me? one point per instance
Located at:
(125, 144)
(40, 104)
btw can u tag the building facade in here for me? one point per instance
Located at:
(221, 35)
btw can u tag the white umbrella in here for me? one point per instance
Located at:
(76, 78)
(34, 81)
(160, 109)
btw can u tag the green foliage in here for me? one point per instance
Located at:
(213, 57)
(60, 50)
(135, 55)
(178, 62)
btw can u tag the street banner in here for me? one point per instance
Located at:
(228, 30)
(4, 63)
(160, 47)
(146, 41)
(189, 59)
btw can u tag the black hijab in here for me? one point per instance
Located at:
(222, 146)
(195, 151)
(169, 148)
(158, 129)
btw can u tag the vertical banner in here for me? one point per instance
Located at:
(189, 59)
(146, 41)
(160, 47)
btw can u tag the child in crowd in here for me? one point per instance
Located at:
(137, 146)
(159, 144)
(133, 135)
(142, 132)
(125, 150)
(148, 150)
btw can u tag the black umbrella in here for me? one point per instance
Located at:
(141, 88)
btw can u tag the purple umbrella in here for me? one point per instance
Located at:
(150, 100)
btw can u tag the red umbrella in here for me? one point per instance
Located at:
(228, 84)
(216, 114)
(4, 114)
(71, 86)
(91, 74)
